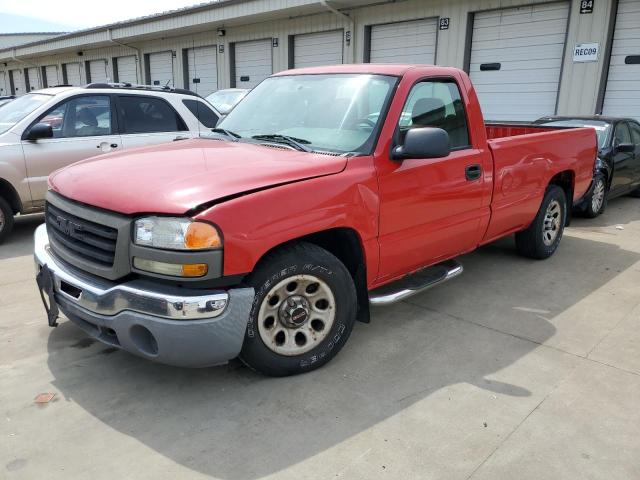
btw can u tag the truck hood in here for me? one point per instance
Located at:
(178, 177)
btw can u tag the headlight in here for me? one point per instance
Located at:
(176, 234)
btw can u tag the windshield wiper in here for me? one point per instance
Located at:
(232, 135)
(297, 143)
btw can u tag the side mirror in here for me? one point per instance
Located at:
(40, 130)
(426, 142)
(625, 148)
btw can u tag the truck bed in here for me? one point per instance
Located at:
(500, 130)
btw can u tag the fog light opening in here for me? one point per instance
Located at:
(144, 340)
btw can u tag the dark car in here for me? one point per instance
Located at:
(617, 170)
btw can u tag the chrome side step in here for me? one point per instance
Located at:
(415, 283)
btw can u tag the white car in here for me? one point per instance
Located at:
(224, 100)
(48, 129)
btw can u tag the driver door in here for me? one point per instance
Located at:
(432, 209)
(83, 127)
(623, 162)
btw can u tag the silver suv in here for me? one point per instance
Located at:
(49, 129)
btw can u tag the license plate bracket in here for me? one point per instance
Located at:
(45, 281)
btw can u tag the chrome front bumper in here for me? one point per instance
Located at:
(168, 324)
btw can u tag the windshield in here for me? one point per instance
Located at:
(332, 112)
(225, 100)
(16, 110)
(602, 128)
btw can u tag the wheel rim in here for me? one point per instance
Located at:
(296, 315)
(597, 198)
(551, 224)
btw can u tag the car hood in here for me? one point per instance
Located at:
(178, 177)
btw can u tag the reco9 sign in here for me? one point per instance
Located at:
(586, 52)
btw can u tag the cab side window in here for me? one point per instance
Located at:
(436, 103)
(148, 115)
(86, 116)
(622, 134)
(635, 134)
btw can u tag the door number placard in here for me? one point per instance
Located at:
(586, 52)
(444, 23)
(586, 6)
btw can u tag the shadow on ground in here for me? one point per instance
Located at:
(234, 424)
(20, 241)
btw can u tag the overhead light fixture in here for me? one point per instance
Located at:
(222, 32)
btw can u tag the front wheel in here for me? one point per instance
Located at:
(303, 311)
(6, 219)
(597, 201)
(543, 236)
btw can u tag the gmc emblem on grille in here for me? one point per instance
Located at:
(68, 227)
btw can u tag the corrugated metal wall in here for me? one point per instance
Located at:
(579, 86)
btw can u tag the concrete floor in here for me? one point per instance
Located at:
(517, 370)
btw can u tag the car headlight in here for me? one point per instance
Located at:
(176, 234)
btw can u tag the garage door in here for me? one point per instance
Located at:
(34, 78)
(4, 89)
(161, 69)
(202, 70)
(98, 71)
(74, 76)
(17, 79)
(516, 59)
(622, 96)
(52, 75)
(404, 42)
(127, 69)
(317, 49)
(252, 63)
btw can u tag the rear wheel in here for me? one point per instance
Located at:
(636, 193)
(597, 201)
(303, 311)
(543, 236)
(6, 219)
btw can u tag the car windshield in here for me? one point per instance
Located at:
(225, 100)
(329, 112)
(602, 128)
(16, 110)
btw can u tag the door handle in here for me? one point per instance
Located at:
(114, 145)
(473, 172)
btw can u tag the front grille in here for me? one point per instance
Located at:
(83, 238)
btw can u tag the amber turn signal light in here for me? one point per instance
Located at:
(201, 235)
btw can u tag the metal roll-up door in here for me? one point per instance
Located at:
(127, 69)
(622, 95)
(202, 70)
(52, 75)
(74, 75)
(98, 71)
(161, 69)
(404, 42)
(318, 49)
(17, 82)
(34, 78)
(4, 89)
(253, 62)
(516, 60)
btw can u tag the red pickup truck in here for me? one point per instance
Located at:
(324, 191)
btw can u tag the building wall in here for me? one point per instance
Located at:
(580, 82)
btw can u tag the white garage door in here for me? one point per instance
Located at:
(34, 78)
(74, 76)
(622, 96)
(98, 71)
(4, 89)
(161, 69)
(516, 58)
(253, 62)
(19, 86)
(404, 42)
(52, 75)
(202, 70)
(127, 69)
(317, 49)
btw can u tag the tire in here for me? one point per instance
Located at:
(541, 239)
(597, 201)
(6, 219)
(303, 311)
(635, 193)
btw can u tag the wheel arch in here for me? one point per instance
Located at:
(10, 195)
(566, 180)
(346, 244)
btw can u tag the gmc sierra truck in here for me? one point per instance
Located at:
(324, 191)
